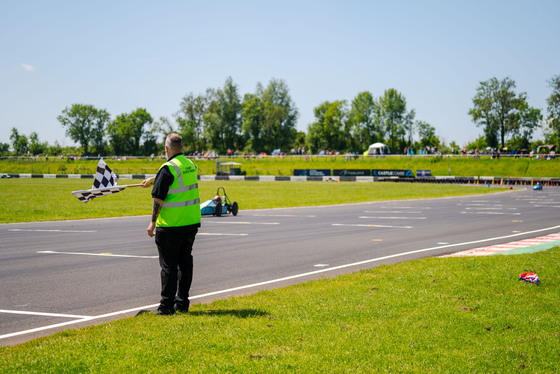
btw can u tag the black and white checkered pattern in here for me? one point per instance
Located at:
(104, 183)
(87, 195)
(104, 177)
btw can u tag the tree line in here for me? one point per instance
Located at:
(507, 119)
(223, 121)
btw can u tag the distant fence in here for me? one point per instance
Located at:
(502, 181)
(347, 157)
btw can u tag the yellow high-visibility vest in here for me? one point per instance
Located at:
(181, 206)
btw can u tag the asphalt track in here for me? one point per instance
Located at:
(68, 274)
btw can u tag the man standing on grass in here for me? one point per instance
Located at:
(175, 219)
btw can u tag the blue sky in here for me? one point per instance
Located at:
(121, 55)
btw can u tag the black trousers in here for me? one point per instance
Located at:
(176, 262)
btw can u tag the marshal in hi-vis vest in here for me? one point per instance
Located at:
(181, 206)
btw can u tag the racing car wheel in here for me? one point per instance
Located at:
(234, 208)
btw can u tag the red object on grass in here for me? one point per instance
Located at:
(529, 277)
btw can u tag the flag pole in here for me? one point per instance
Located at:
(104, 183)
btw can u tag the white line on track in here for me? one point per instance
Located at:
(366, 217)
(283, 215)
(370, 225)
(242, 223)
(52, 230)
(218, 234)
(95, 254)
(272, 281)
(491, 213)
(406, 207)
(68, 323)
(59, 315)
(489, 208)
(495, 205)
(392, 212)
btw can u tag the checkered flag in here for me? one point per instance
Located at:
(105, 177)
(87, 195)
(104, 183)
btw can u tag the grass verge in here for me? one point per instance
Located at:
(50, 199)
(431, 315)
(456, 166)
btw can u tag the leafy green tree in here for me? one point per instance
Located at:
(502, 112)
(315, 139)
(280, 116)
(54, 149)
(454, 147)
(223, 118)
(253, 120)
(393, 117)
(529, 119)
(328, 130)
(19, 142)
(36, 147)
(269, 117)
(126, 131)
(409, 127)
(98, 132)
(213, 128)
(14, 136)
(117, 132)
(485, 111)
(4, 148)
(478, 144)
(427, 134)
(230, 114)
(364, 129)
(138, 120)
(536, 144)
(164, 127)
(85, 125)
(150, 145)
(299, 141)
(553, 109)
(190, 120)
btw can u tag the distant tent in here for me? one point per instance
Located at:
(547, 148)
(377, 149)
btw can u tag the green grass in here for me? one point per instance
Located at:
(431, 315)
(451, 315)
(38, 199)
(439, 166)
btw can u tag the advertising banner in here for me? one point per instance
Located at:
(423, 173)
(352, 172)
(312, 172)
(392, 173)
